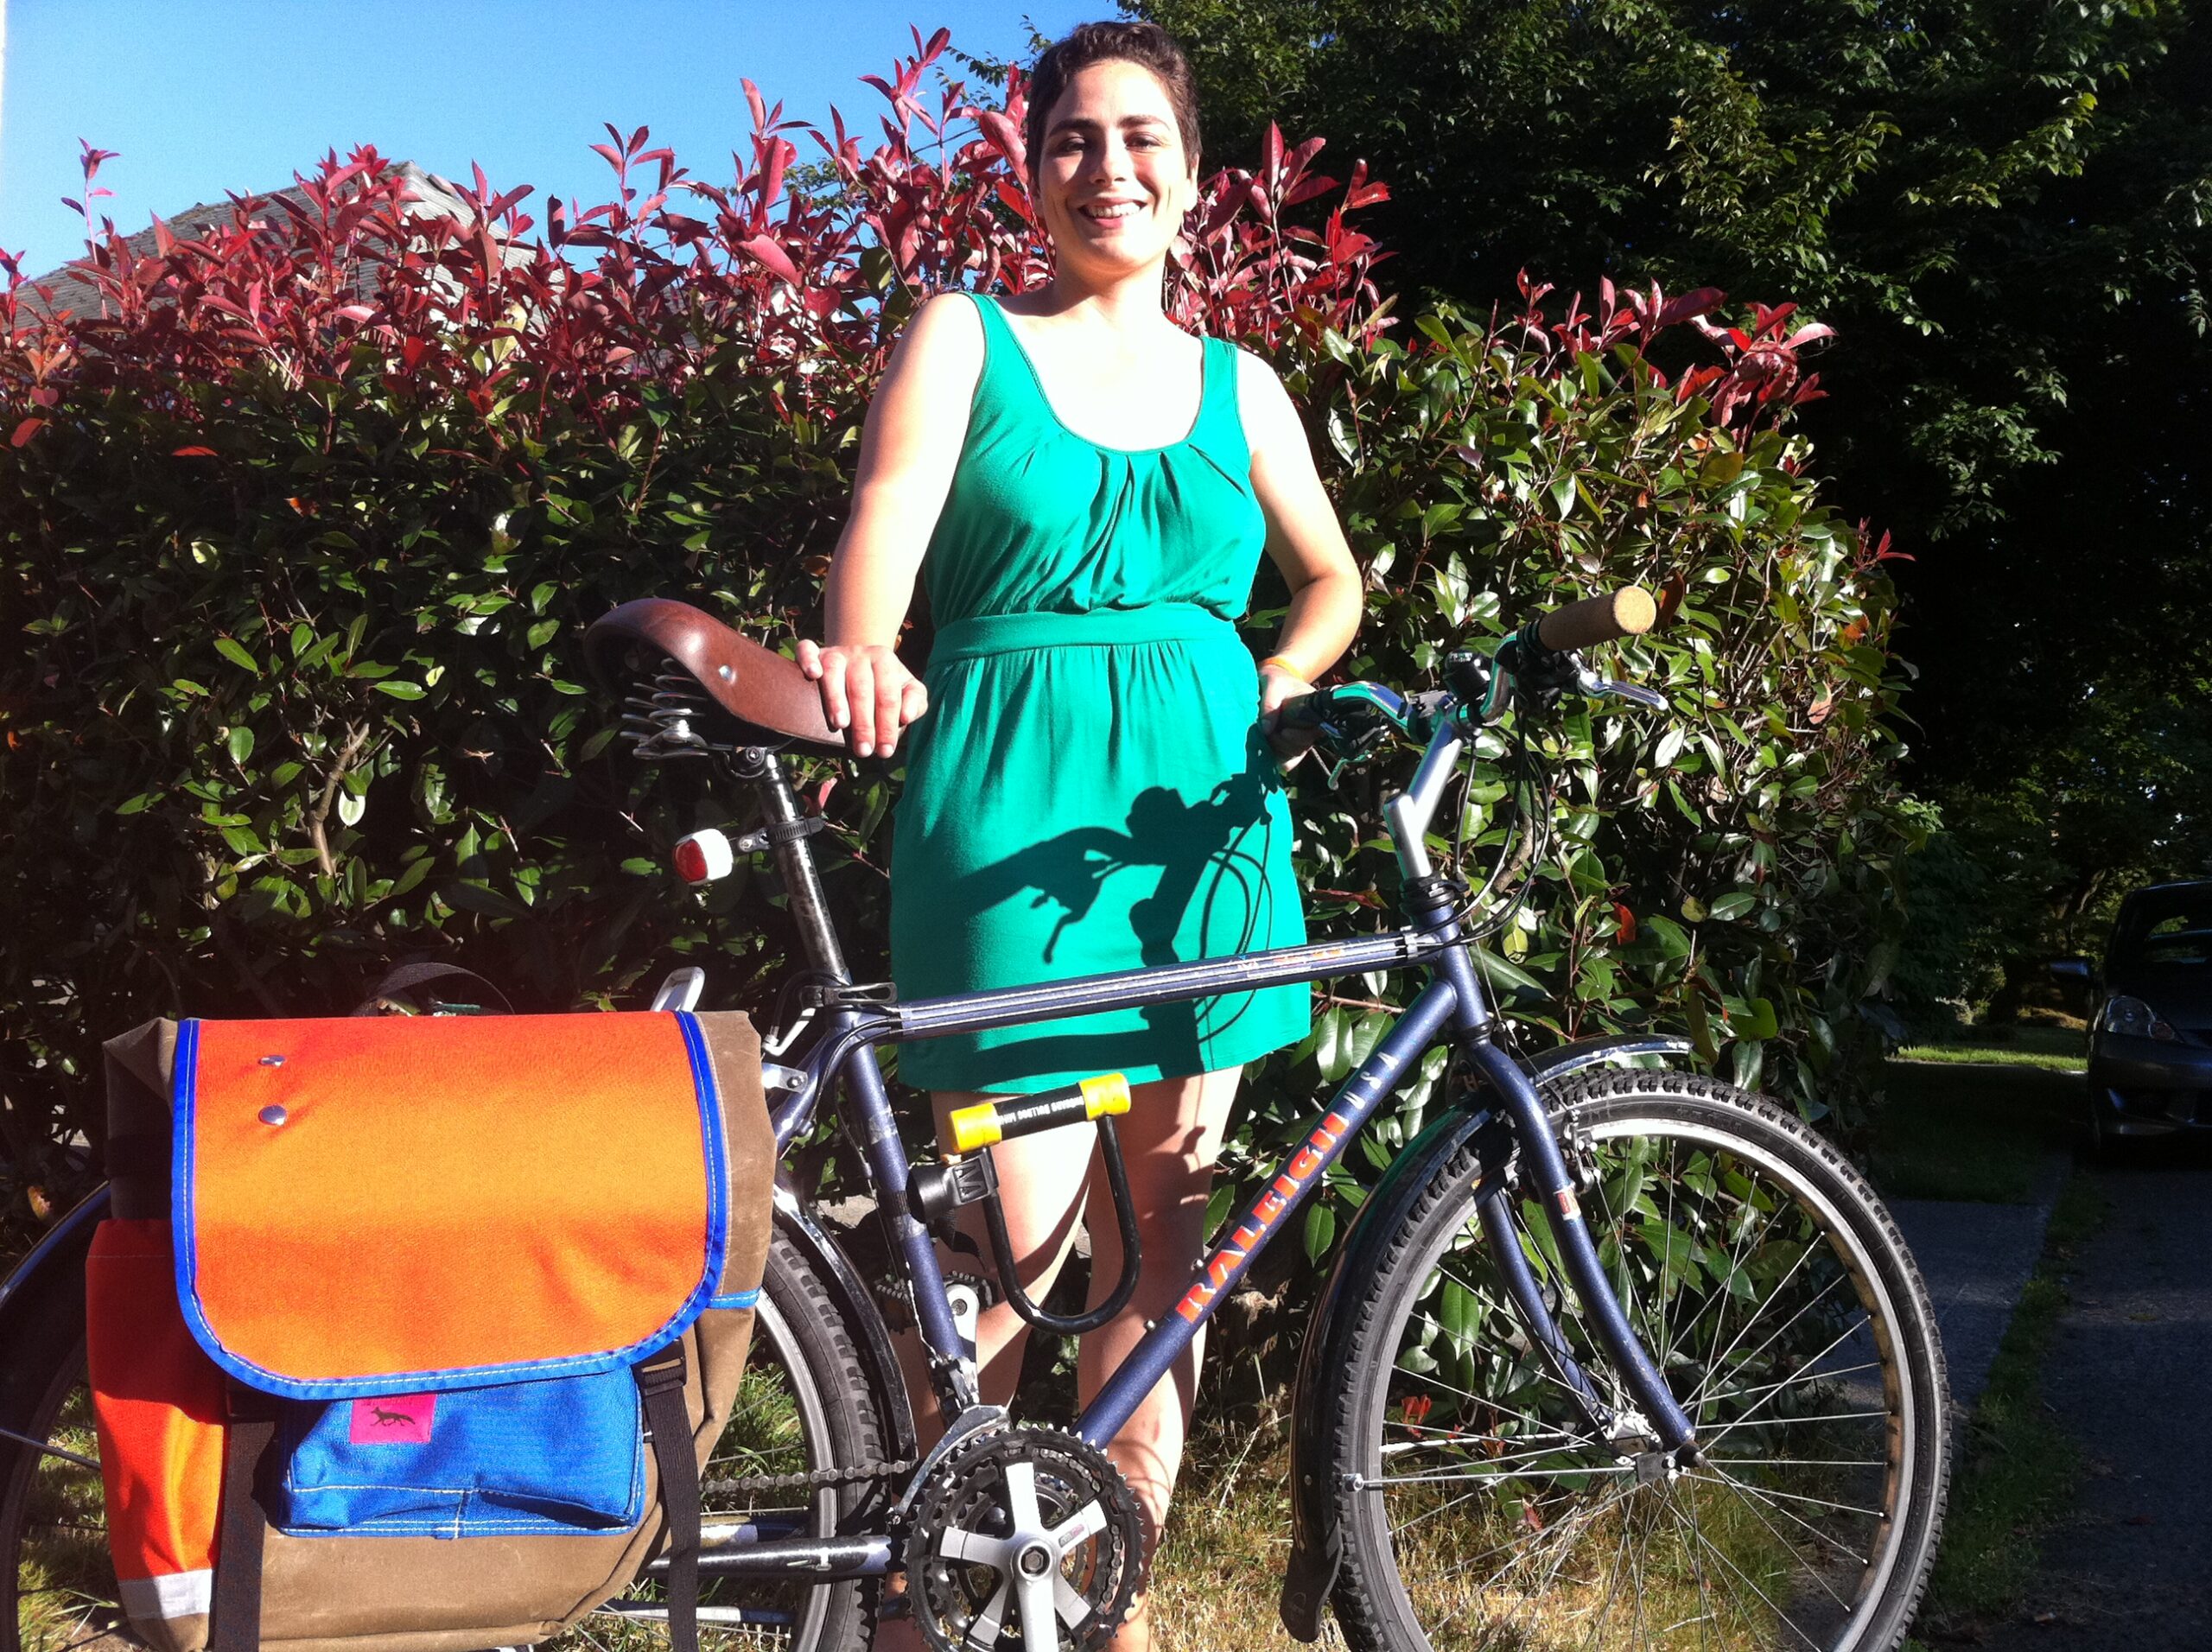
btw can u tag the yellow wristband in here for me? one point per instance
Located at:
(1288, 665)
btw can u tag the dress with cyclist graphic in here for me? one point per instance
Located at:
(1089, 789)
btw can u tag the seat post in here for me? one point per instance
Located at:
(795, 860)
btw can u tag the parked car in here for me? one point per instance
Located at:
(2151, 1037)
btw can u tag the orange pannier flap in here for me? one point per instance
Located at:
(400, 1205)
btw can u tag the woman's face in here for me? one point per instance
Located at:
(1115, 181)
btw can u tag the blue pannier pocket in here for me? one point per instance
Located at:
(556, 1455)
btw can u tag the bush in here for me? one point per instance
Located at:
(303, 530)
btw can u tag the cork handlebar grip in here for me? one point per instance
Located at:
(1628, 611)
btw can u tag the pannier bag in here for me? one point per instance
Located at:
(413, 1334)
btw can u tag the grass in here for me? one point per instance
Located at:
(1961, 1128)
(1219, 1571)
(2019, 1469)
(2055, 1048)
(1985, 1055)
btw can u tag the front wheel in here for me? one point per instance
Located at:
(1481, 1510)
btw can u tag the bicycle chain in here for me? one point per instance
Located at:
(810, 1479)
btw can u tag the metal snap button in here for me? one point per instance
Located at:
(273, 1115)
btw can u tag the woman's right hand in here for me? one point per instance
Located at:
(866, 692)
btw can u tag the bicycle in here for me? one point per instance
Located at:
(1613, 1356)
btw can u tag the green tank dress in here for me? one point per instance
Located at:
(1089, 789)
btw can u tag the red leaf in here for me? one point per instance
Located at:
(194, 452)
(1675, 311)
(753, 101)
(1624, 930)
(1361, 193)
(779, 261)
(25, 431)
(1005, 137)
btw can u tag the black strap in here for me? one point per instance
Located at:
(234, 1624)
(410, 975)
(660, 1386)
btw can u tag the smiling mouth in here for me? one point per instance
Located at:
(1109, 211)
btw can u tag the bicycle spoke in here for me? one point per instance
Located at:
(1828, 1538)
(1608, 1472)
(1794, 1497)
(1721, 1555)
(1803, 1462)
(1505, 1410)
(1697, 1570)
(1759, 1514)
(1606, 1608)
(1718, 1365)
(1555, 1539)
(1812, 1372)
(1803, 1377)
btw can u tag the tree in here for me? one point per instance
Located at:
(301, 528)
(2001, 207)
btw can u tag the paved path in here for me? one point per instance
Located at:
(1976, 1259)
(2129, 1375)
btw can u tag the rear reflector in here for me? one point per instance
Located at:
(704, 856)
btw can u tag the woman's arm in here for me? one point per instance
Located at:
(909, 450)
(1326, 599)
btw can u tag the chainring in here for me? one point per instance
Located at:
(1024, 1515)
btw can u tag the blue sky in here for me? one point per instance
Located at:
(202, 96)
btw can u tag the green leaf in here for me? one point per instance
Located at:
(237, 655)
(1734, 904)
(1320, 1230)
(240, 741)
(399, 689)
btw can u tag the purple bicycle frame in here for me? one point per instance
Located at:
(1454, 997)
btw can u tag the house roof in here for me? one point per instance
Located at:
(434, 197)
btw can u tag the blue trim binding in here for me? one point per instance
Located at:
(183, 1104)
(738, 1300)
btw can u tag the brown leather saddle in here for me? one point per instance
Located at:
(691, 685)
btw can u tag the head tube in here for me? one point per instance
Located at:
(1409, 812)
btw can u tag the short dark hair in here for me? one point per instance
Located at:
(1147, 45)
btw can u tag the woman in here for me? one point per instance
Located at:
(1087, 490)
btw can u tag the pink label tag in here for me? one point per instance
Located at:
(394, 1420)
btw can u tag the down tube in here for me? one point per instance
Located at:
(1232, 1257)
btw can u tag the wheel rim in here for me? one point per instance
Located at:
(779, 1424)
(1512, 1527)
(61, 1586)
(61, 1583)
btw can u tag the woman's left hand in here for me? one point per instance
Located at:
(1277, 684)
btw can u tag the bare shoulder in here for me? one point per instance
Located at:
(940, 355)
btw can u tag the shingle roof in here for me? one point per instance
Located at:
(434, 197)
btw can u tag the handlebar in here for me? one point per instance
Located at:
(1628, 611)
(1533, 664)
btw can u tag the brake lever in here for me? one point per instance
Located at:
(1602, 688)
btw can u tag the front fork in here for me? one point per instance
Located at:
(1545, 1173)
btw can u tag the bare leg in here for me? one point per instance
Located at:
(1171, 1139)
(1041, 1192)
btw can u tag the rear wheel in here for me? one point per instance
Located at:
(1482, 1510)
(804, 1407)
